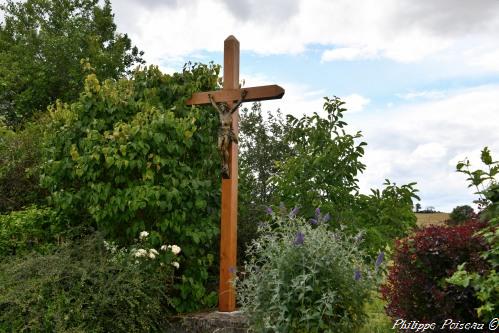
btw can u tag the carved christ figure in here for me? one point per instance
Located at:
(226, 133)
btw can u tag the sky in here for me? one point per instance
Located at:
(420, 78)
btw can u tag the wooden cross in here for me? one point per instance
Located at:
(231, 93)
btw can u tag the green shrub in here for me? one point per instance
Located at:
(130, 155)
(20, 156)
(486, 283)
(384, 216)
(35, 228)
(86, 286)
(313, 162)
(301, 277)
(461, 214)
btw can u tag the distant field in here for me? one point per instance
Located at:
(433, 218)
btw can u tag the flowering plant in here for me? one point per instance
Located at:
(302, 277)
(145, 254)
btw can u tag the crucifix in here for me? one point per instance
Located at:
(226, 101)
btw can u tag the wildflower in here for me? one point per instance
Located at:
(269, 210)
(176, 249)
(163, 247)
(313, 221)
(317, 212)
(356, 274)
(293, 212)
(143, 235)
(140, 253)
(379, 260)
(153, 251)
(151, 255)
(176, 264)
(299, 239)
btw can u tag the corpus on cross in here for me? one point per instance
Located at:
(227, 101)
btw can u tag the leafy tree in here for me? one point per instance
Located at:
(313, 162)
(41, 45)
(323, 165)
(384, 215)
(461, 214)
(19, 160)
(129, 155)
(262, 146)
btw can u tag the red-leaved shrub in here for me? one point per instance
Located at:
(416, 289)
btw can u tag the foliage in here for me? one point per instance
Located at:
(301, 277)
(323, 164)
(310, 162)
(262, 145)
(19, 161)
(34, 228)
(83, 287)
(416, 287)
(461, 214)
(129, 155)
(384, 215)
(41, 45)
(486, 283)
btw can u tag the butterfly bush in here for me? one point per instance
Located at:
(302, 277)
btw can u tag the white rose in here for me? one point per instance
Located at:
(152, 255)
(143, 235)
(176, 249)
(154, 252)
(163, 247)
(175, 264)
(140, 253)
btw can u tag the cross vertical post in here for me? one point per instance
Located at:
(229, 94)
(228, 228)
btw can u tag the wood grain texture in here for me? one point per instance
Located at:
(261, 93)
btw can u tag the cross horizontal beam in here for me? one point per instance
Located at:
(261, 93)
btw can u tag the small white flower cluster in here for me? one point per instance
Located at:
(111, 247)
(175, 250)
(152, 253)
(143, 235)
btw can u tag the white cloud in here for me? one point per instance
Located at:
(423, 141)
(347, 53)
(426, 94)
(355, 102)
(403, 30)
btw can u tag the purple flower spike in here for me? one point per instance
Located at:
(299, 239)
(326, 218)
(357, 275)
(269, 211)
(232, 270)
(293, 213)
(313, 221)
(317, 212)
(379, 260)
